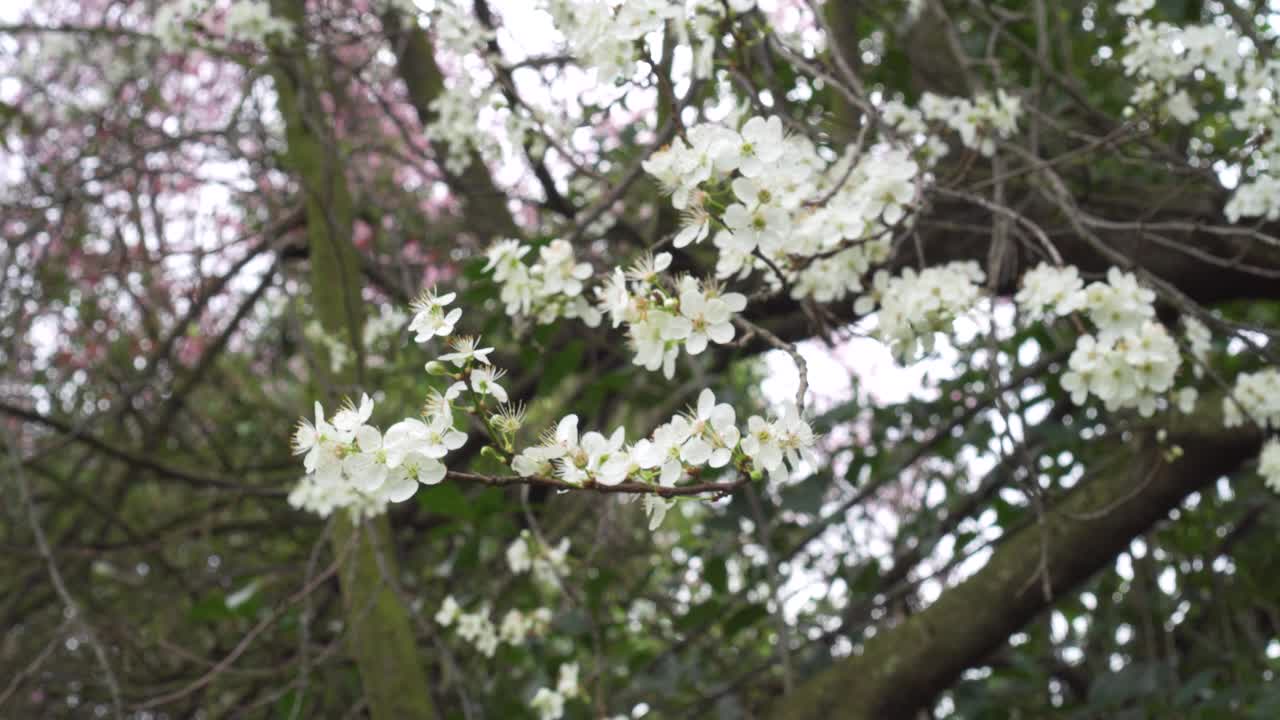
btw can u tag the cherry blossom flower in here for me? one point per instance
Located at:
(430, 319)
(466, 349)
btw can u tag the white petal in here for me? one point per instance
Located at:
(721, 333)
(722, 418)
(656, 507)
(368, 438)
(400, 488)
(618, 437)
(696, 343)
(671, 470)
(567, 430)
(720, 457)
(696, 451)
(677, 328)
(736, 302)
(431, 472)
(706, 403)
(646, 454)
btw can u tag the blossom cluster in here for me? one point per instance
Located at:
(663, 318)
(1269, 464)
(478, 629)
(1049, 291)
(388, 323)
(915, 306)
(1131, 361)
(548, 289)
(181, 22)
(1255, 397)
(607, 36)
(978, 121)
(820, 227)
(549, 702)
(1134, 7)
(813, 225)
(548, 564)
(454, 109)
(704, 437)
(351, 464)
(1174, 63)
(1125, 370)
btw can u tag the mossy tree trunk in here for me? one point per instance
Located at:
(377, 622)
(903, 668)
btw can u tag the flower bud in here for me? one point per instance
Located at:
(435, 367)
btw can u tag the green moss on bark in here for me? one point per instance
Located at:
(378, 624)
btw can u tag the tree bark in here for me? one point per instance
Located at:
(485, 207)
(903, 668)
(378, 624)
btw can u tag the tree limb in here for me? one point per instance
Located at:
(903, 668)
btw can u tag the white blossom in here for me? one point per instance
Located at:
(916, 305)
(466, 349)
(1134, 7)
(504, 258)
(567, 680)
(548, 703)
(656, 508)
(1269, 464)
(515, 627)
(712, 433)
(1124, 370)
(761, 145)
(1254, 397)
(430, 318)
(484, 381)
(1049, 290)
(664, 449)
(655, 336)
(709, 317)
(448, 612)
(762, 444)
(518, 556)
(1120, 304)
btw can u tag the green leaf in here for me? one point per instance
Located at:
(1132, 681)
(285, 706)
(806, 496)
(559, 366)
(743, 619)
(446, 499)
(212, 608)
(1189, 695)
(700, 614)
(717, 574)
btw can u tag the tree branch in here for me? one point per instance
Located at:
(903, 668)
